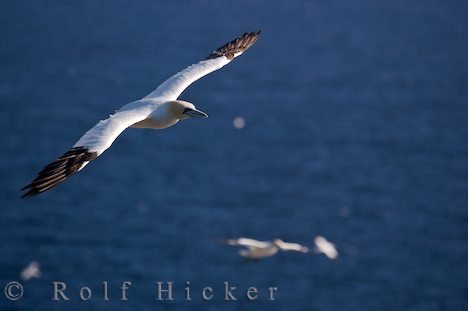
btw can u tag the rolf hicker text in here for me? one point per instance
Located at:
(164, 291)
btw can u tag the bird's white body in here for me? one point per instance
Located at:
(159, 118)
(260, 249)
(259, 252)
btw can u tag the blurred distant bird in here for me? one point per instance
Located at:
(261, 249)
(158, 110)
(325, 247)
(31, 271)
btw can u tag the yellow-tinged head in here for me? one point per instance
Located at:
(184, 110)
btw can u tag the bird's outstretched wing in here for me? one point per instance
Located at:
(91, 145)
(286, 246)
(249, 243)
(175, 85)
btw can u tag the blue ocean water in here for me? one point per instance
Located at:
(355, 114)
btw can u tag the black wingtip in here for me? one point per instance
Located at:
(59, 170)
(238, 45)
(27, 195)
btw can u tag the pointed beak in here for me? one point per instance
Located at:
(195, 113)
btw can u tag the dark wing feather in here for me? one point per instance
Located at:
(238, 45)
(59, 170)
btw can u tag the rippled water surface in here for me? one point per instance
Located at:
(355, 129)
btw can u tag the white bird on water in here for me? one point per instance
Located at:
(260, 249)
(158, 110)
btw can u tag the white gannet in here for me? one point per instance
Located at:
(158, 110)
(33, 270)
(325, 247)
(261, 249)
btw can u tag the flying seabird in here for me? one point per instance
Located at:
(158, 110)
(33, 270)
(322, 245)
(260, 249)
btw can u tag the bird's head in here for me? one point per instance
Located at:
(184, 110)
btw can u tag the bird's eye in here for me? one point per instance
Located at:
(187, 110)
